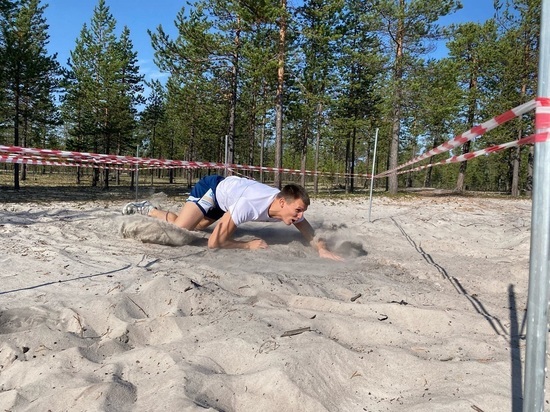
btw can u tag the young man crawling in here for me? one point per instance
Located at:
(232, 201)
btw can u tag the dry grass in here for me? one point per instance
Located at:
(59, 184)
(62, 186)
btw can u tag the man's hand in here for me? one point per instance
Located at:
(327, 254)
(307, 231)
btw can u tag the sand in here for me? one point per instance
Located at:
(425, 314)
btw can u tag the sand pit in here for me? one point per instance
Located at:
(426, 313)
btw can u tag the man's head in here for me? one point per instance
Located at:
(293, 201)
(294, 192)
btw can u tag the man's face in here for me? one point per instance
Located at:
(292, 212)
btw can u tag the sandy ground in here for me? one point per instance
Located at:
(425, 314)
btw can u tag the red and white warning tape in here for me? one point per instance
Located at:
(38, 161)
(542, 124)
(486, 151)
(471, 134)
(50, 157)
(542, 119)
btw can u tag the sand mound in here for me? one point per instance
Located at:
(97, 313)
(148, 230)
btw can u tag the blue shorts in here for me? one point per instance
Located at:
(204, 196)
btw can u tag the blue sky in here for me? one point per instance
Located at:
(66, 18)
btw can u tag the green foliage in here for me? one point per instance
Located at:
(103, 88)
(28, 76)
(350, 67)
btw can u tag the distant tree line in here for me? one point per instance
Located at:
(296, 87)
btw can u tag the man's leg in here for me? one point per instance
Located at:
(190, 217)
(163, 215)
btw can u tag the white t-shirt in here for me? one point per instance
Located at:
(246, 200)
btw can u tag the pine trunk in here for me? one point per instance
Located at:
(317, 145)
(303, 159)
(233, 108)
(279, 99)
(397, 99)
(471, 116)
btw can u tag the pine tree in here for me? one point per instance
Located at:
(519, 25)
(407, 28)
(28, 72)
(5, 13)
(153, 120)
(103, 87)
(279, 94)
(471, 47)
(130, 89)
(218, 57)
(436, 99)
(318, 21)
(360, 63)
(257, 83)
(198, 77)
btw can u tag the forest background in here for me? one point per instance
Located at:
(300, 87)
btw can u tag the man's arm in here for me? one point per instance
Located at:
(221, 236)
(309, 234)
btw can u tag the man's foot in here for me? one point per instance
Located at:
(143, 208)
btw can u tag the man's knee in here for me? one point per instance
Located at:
(204, 223)
(190, 216)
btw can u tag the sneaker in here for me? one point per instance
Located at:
(143, 208)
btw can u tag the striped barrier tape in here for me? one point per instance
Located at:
(43, 162)
(52, 157)
(492, 149)
(32, 156)
(542, 118)
(471, 134)
(38, 162)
